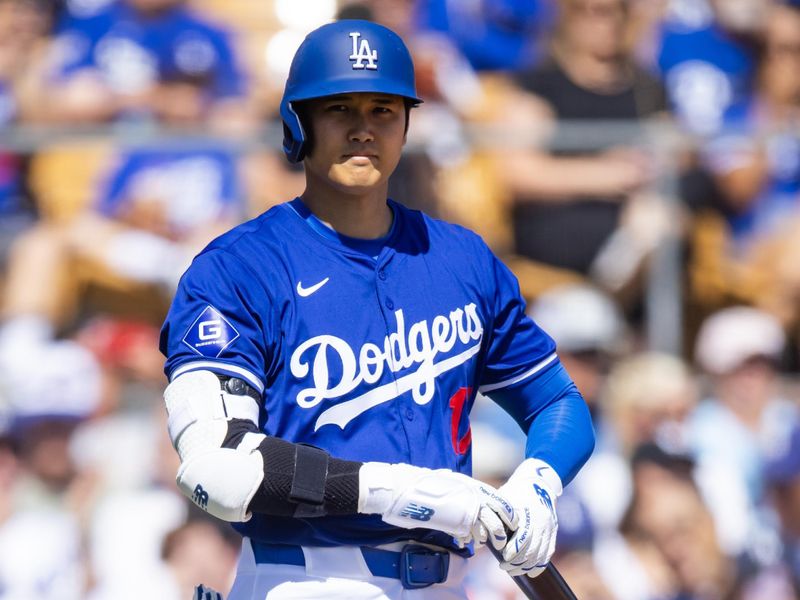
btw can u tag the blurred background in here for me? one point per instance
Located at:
(636, 162)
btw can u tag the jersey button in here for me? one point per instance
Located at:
(382, 275)
(409, 414)
(389, 304)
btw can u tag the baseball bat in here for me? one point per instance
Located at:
(549, 585)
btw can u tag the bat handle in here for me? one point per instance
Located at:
(549, 585)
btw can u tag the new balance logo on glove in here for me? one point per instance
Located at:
(200, 497)
(415, 511)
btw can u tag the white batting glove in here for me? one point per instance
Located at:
(411, 497)
(532, 490)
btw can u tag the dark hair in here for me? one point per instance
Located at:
(301, 108)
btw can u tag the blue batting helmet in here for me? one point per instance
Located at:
(339, 58)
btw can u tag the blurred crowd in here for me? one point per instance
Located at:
(587, 141)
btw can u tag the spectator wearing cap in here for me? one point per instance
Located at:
(43, 489)
(739, 349)
(590, 334)
(589, 331)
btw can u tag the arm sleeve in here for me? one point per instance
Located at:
(524, 377)
(557, 421)
(221, 320)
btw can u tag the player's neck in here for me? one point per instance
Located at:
(365, 217)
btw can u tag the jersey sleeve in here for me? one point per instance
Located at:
(220, 320)
(518, 348)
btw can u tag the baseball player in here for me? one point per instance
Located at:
(323, 359)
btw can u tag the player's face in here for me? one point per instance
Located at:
(358, 139)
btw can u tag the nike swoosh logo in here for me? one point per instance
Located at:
(305, 292)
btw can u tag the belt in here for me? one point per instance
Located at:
(415, 566)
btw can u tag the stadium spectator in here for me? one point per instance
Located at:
(746, 250)
(705, 52)
(504, 35)
(122, 254)
(591, 335)
(584, 211)
(201, 550)
(740, 349)
(668, 533)
(647, 399)
(590, 332)
(138, 60)
(782, 474)
(44, 496)
(23, 33)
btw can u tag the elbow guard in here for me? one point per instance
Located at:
(215, 432)
(222, 482)
(230, 469)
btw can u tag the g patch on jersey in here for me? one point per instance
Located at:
(210, 333)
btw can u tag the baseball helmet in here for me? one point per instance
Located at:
(344, 57)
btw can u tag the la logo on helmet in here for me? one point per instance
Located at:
(362, 52)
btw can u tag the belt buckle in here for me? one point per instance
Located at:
(421, 567)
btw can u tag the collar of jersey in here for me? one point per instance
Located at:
(370, 248)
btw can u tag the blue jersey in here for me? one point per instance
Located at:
(190, 188)
(706, 73)
(372, 354)
(133, 51)
(504, 35)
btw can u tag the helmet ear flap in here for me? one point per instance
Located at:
(294, 142)
(294, 149)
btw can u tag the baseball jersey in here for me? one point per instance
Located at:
(373, 351)
(133, 51)
(705, 71)
(191, 187)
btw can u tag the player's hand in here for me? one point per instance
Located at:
(411, 497)
(532, 491)
(495, 517)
